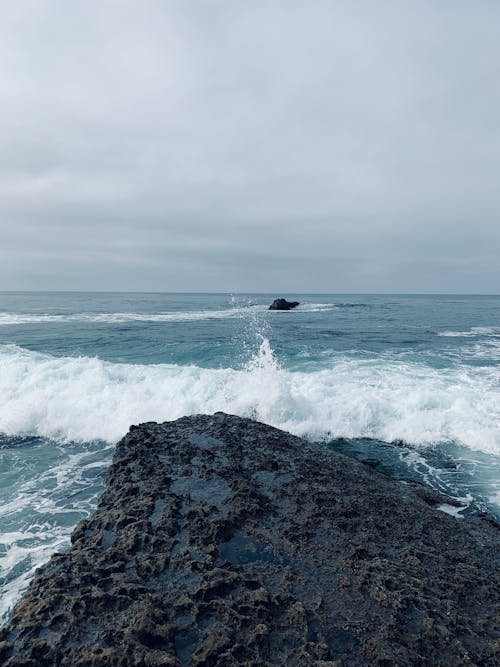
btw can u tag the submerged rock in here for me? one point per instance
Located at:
(283, 304)
(222, 541)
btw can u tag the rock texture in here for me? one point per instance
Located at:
(283, 304)
(222, 541)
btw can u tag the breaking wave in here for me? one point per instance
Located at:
(85, 399)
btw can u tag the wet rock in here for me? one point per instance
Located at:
(283, 304)
(222, 541)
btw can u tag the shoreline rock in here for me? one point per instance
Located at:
(223, 541)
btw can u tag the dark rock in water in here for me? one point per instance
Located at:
(222, 541)
(283, 304)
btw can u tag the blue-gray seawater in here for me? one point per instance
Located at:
(409, 383)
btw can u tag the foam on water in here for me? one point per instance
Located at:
(120, 318)
(472, 332)
(11, 319)
(56, 487)
(84, 399)
(22, 555)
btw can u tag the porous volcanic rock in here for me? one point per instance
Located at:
(223, 541)
(283, 304)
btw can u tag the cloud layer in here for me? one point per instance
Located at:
(236, 146)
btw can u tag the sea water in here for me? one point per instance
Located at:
(410, 384)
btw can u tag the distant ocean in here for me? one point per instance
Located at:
(410, 384)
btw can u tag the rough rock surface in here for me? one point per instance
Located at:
(283, 304)
(222, 541)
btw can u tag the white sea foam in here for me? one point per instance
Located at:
(452, 510)
(481, 343)
(32, 514)
(172, 316)
(472, 333)
(84, 399)
(119, 318)
(312, 307)
(32, 557)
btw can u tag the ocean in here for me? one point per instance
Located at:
(408, 383)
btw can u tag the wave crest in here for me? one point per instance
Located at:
(85, 399)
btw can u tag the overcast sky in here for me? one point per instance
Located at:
(250, 145)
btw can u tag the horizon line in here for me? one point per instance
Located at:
(244, 292)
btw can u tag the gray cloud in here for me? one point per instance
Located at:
(319, 145)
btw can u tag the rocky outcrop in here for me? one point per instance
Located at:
(222, 541)
(283, 304)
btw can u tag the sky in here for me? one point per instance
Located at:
(243, 146)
